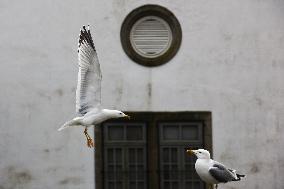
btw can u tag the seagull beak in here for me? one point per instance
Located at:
(127, 116)
(190, 152)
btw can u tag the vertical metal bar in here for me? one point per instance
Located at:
(136, 167)
(114, 168)
(170, 167)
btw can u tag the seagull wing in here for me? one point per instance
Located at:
(221, 173)
(88, 93)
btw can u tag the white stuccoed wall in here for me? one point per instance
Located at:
(231, 63)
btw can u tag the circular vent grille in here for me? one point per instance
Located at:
(151, 36)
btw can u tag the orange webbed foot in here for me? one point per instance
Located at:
(90, 143)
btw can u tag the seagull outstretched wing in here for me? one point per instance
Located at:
(88, 93)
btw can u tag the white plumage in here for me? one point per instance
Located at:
(88, 93)
(213, 172)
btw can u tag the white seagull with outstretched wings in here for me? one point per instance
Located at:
(88, 93)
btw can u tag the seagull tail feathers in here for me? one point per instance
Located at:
(236, 175)
(240, 176)
(63, 127)
(73, 122)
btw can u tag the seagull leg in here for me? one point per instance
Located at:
(89, 139)
(216, 187)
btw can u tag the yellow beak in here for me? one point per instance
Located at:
(190, 152)
(127, 116)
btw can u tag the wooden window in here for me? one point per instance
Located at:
(148, 152)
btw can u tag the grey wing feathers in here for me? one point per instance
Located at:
(221, 173)
(88, 93)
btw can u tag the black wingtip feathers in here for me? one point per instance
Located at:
(85, 36)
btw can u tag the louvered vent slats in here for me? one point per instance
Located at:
(151, 36)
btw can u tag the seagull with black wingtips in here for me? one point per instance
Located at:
(212, 172)
(88, 93)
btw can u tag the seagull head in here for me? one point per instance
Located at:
(200, 153)
(118, 114)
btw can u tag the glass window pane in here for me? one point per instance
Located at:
(119, 185)
(122, 158)
(140, 172)
(110, 172)
(166, 155)
(189, 169)
(134, 132)
(131, 155)
(174, 155)
(174, 172)
(110, 155)
(111, 185)
(188, 185)
(115, 132)
(132, 172)
(166, 172)
(175, 185)
(170, 132)
(132, 185)
(119, 175)
(190, 132)
(140, 156)
(118, 156)
(167, 185)
(197, 185)
(140, 185)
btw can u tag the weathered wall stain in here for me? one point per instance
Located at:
(46, 150)
(73, 89)
(119, 91)
(254, 168)
(44, 94)
(59, 92)
(227, 37)
(71, 180)
(259, 101)
(13, 178)
(149, 94)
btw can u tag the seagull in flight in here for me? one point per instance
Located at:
(88, 93)
(210, 171)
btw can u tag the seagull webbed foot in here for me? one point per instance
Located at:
(90, 142)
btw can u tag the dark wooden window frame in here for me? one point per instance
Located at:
(152, 118)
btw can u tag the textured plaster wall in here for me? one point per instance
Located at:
(231, 62)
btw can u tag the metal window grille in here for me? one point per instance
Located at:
(127, 145)
(176, 167)
(125, 156)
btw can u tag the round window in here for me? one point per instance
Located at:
(150, 35)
